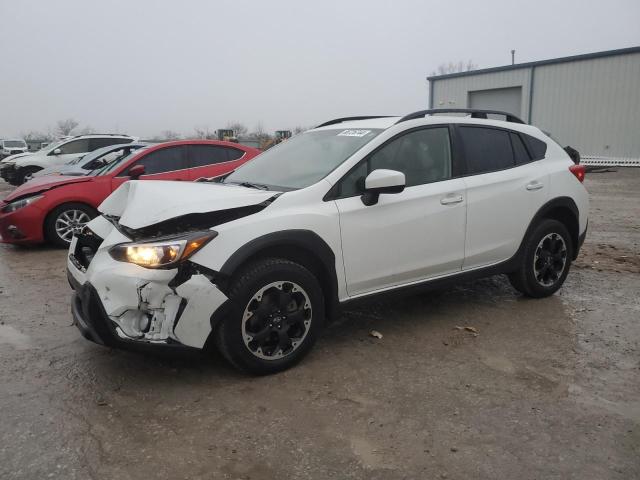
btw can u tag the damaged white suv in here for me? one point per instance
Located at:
(255, 262)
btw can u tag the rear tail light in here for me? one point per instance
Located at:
(578, 171)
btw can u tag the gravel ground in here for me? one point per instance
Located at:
(546, 389)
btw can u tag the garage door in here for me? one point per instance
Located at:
(503, 99)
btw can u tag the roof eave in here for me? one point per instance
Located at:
(517, 66)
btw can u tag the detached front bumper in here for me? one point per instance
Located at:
(94, 324)
(122, 305)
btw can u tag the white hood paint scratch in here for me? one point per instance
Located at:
(140, 203)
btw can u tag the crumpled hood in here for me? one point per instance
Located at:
(42, 184)
(140, 203)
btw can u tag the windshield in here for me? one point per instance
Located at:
(15, 144)
(115, 163)
(303, 160)
(94, 155)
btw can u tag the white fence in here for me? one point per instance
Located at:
(609, 161)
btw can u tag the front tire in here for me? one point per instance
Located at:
(25, 174)
(276, 312)
(66, 220)
(546, 260)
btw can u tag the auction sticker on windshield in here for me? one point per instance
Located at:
(353, 133)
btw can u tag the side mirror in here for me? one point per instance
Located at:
(57, 151)
(136, 171)
(382, 181)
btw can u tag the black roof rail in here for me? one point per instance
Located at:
(346, 119)
(102, 134)
(475, 113)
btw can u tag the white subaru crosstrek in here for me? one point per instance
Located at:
(255, 262)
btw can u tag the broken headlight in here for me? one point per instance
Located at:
(161, 253)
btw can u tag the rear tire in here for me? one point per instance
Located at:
(65, 220)
(275, 315)
(546, 260)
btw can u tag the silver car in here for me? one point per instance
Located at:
(91, 161)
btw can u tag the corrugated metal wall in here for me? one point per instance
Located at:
(593, 104)
(454, 92)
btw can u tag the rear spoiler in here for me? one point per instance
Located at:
(573, 154)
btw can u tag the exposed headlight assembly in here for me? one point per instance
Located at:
(18, 204)
(162, 253)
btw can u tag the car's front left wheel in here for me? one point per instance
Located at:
(66, 220)
(276, 312)
(24, 174)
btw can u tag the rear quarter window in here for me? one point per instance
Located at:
(537, 148)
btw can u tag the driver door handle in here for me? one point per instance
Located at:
(451, 199)
(535, 185)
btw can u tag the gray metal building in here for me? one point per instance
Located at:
(591, 102)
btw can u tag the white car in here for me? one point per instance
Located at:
(12, 147)
(16, 171)
(91, 162)
(255, 262)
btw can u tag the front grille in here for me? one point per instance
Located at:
(86, 247)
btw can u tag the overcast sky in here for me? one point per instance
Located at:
(143, 66)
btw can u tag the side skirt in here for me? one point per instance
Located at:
(506, 266)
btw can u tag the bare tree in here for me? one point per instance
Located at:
(455, 67)
(204, 133)
(85, 131)
(259, 132)
(34, 135)
(299, 129)
(165, 136)
(65, 127)
(239, 128)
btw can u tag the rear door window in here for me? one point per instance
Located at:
(486, 149)
(204, 155)
(519, 150)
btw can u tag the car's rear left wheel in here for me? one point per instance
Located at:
(65, 221)
(276, 311)
(546, 260)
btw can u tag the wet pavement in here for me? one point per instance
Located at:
(535, 389)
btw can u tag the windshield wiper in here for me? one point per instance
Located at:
(257, 186)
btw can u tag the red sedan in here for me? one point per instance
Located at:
(52, 208)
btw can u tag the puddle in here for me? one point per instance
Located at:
(13, 337)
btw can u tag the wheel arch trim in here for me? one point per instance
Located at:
(305, 240)
(565, 203)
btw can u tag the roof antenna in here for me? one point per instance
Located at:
(513, 57)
